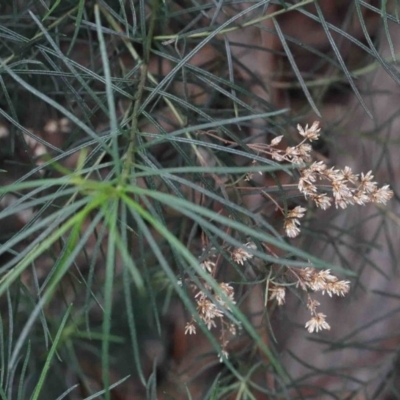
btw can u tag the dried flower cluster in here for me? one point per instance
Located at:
(292, 223)
(321, 281)
(311, 279)
(212, 307)
(346, 187)
(308, 279)
(278, 293)
(207, 310)
(240, 255)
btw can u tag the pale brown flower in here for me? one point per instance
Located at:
(208, 265)
(366, 182)
(342, 194)
(304, 276)
(305, 152)
(361, 197)
(229, 292)
(207, 310)
(190, 328)
(382, 195)
(278, 293)
(306, 187)
(321, 200)
(339, 288)
(291, 227)
(318, 166)
(347, 175)
(317, 323)
(277, 140)
(331, 174)
(240, 255)
(297, 212)
(311, 133)
(312, 304)
(292, 223)
(292, 151)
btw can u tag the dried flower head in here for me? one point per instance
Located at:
(228, 292)
(278, 293)
(240, 255)
(382, 195)
(291, 227)
(208, 265)
(292, 223)
(312, 304)
(277, 140)
(311, 133)
(347, 175)
(317, 323)
(321, 200)
(190, 328)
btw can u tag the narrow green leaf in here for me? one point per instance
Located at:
(50, 356)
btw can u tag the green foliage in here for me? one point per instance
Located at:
(126, 201)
